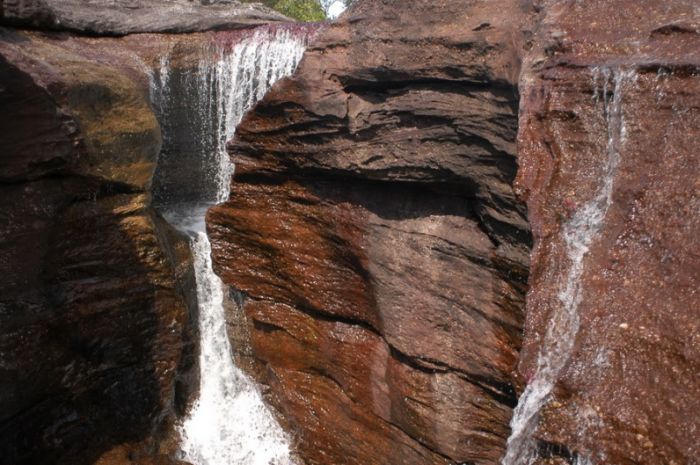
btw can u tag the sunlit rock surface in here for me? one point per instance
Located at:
(119, 17)
(612, 329)
(377, 241)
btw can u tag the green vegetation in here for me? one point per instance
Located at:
(303, 10)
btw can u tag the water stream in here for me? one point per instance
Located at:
(199, 109)
(578, 234)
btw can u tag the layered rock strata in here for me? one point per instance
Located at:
(374, 241)
(376, 252)
(121, 17)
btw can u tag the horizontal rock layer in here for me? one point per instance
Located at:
(120, 17)
(376, 241)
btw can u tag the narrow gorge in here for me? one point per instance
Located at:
(436, 232)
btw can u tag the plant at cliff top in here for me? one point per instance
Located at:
(303, 10)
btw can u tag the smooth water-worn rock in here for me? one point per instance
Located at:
(119, 17)
(609, 124)
(95, 332)
(374, 234)
(376, 253)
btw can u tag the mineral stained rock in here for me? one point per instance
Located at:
(95, 332)
(377, 254)
(119, 17)
(608, 139)
(374, 238)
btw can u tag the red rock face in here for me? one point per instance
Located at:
(379, 249)
(375, 236)
(614, 81)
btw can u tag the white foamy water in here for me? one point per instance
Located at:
(578, 234)
(233, 74)
(333, 8)
(259, 62)
(229, 424)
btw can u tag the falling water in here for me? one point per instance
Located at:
(199, 108)
(229, 424)
(578, 234)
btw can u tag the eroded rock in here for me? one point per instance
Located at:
(377, 241)
(95, 332)
(614, 81)
(120, 17)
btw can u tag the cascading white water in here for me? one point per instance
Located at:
(578, 234)
(259, 63)
(229, 424)
(199, 108)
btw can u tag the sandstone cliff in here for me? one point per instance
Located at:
(377, 253)
(372, 206)
(608, 138)
(376, 240)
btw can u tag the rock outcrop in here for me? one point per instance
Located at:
(120, 17)
(374, 239)
(609, 124)
(96, 335)
(377, 253)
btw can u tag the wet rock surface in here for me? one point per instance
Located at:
(95, 332)
(615, 79)
(376, 252)
(375, 238)
(120, 17)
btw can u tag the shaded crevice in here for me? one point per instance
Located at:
(395, 82)
(503, 393)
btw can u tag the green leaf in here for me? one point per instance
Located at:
(303, 10)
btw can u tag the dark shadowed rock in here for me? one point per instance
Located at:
(376, 238)
(95, 332)
(119, 17)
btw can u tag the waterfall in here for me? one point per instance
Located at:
(200, 105)
(578, 233)
(229, 424)
(199, 109)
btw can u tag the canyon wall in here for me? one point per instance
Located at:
(374, 241)
(93, 320)
(377, 253)
(608, 139)
(97, 310)
(96, 334)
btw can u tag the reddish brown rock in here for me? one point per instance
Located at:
(375, 237)
(622, 79)
(94, 326)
